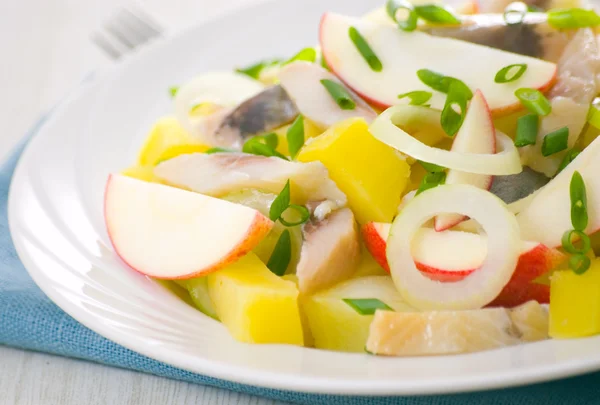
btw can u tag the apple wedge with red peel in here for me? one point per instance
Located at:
(169, 233)
(548, 215)
(476, 135)
(402, 54)
(452, 255)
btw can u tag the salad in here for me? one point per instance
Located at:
(422, 182)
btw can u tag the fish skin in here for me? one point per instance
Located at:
(268, 110)
(455, 332)
(517, 186)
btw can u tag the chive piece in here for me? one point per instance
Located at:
(367, 351)
(295, 136)
(509, 74)
(254, 70)
(431, 180)
(306, 54)
(569, 157)
(219, 150)
(573, 18)
(365, 50)
(339, 93)
(410, 22)
(282, 254)
(579, 264)
(431, 167)
(442, 83)
(527, 130)
(280, 203)
(417, 97)
(324, 62)
(515, 13)
(302, 211)
(578, 194)
(437, 14)
(433, 79)
(534, 101)
(555, 141)
(569, 246)
(173, 91)
(451, 119)
(367, 306)
(255, 146)
(534, 9)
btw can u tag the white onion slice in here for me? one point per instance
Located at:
(226, 89)
(480, 287)
(505, 162)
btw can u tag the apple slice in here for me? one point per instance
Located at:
(476, 135)
(402, 54)
(452, 255)
(548, 215)
(170, 233)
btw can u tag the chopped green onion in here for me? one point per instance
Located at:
(573, 18)
(578, 194)
(431, 167)
(263, 146)
(280, 203)
(555, 141)
(324, 62)
(295, 136)
(527, 130)
(339, 93)
(569, 246)
(437, 14)
(173, 91)
(451, 119)
(367, 351)
(306, 54)
(569, 157)
(410, 22)
(579, 264)
(509, 74)
(594, 116)
(417, 97)
(254, 70)
(366, 306)
(515, 13)
(365, 50)
(282, 254)
(534, 101)
(534, 9)
(442, 83)
(431, 180)
(303, 212)
(219, 150)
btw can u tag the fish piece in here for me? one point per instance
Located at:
(498, 6)
(302, 81)
(455, 332)
(330, 252)
(221, 173)
(266, 111)
(517, 186)
(576, 86)
(534, 37)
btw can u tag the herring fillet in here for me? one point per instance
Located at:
(221, 173)
(455, 332)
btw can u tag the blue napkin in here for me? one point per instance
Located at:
(29, 320)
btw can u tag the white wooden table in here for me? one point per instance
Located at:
(44, 52)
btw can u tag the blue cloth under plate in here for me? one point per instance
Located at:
(29, 320)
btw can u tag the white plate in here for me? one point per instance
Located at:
(55, 212)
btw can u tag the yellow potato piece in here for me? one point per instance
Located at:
(575, 303)
(371, 174)
(166, 140)
(256, 305)
(335, 325)
(145, 173)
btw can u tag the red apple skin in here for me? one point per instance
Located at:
(517, 106)
(532, 264)
(259, 229)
